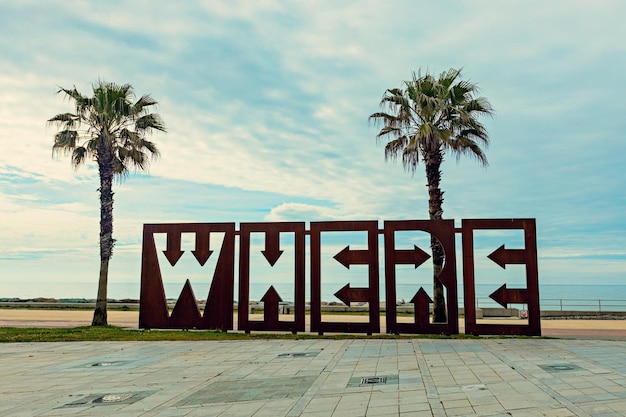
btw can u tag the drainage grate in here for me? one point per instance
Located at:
(309, 354)
(374, 380)
(107, 364)
(360, 381)
(560, 367)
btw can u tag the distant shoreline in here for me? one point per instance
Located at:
(333, 307)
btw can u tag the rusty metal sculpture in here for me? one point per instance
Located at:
(443, 230)
(503, 295)
(218, 311)
(271, 299)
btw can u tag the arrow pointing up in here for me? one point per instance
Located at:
(202, 252)
(503, 256)
(348, 295)
(272, 247)
(270, 308)
(172, 251)
(505, 296)
(421, 300)
(271, 296)
(411, 256)
(349, 257)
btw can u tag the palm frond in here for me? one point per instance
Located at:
(150, 122)
(410, 158)
(114, 131)
(432, 114)
(144, 102)
(395, 147)
(467, 147)
(64, 141)
(67, 120)
(78, 156)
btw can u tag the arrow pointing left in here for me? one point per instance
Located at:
(349, 257)
(172, 251)
(348, 295)
(503, 256)
(505, 296)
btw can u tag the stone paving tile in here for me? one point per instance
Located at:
(438, 377)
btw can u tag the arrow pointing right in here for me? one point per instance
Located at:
(172, 251)
(414, 256)
(505, 296)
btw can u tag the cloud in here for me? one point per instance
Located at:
(304, 212)
(266, 105)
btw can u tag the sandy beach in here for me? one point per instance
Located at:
(597, 329)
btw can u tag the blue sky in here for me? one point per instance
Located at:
(266, 105)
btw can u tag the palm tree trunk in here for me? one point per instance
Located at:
(100, 313)
(106, 236)
(432, 161)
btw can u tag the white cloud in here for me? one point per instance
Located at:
(266, 105)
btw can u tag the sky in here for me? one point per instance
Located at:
(266, 104)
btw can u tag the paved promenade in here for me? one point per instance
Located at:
(580, 375)
(418, 377)
(361, 377)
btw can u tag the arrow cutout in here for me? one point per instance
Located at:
(505, 296)
(348, 295)
(270, 307)
(202, 252)
(172, 251)
(272, 247)
(349, 257)
(421, 300)
(271, 296)
(411, 256)
(503, 256)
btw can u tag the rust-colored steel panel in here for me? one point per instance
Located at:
(346, 257)
(444, 231)
(503, 295)
(218, 312)
(272, 254)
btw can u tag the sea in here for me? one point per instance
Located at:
(551, 296)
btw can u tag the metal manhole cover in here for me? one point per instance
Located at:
(109, 399)
(113, 398)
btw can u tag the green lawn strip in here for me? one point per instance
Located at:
(114, 333)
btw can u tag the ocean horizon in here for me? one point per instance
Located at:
(552, 296)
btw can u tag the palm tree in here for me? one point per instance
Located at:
(425, 119)
(111, 130)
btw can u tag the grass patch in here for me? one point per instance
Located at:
(114, 333)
